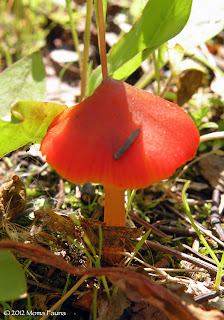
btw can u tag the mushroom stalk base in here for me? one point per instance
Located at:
(114, 210)
(114, 215)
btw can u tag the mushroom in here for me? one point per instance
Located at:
(122, 137)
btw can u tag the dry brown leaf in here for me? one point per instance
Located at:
(112, 235)
(61, 223)
(188, 83)
(12, 198)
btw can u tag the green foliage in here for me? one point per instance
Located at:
(160, 21)
(24, 80)
(37, 117)
(13, 282)
(199, 115)
(137, 7)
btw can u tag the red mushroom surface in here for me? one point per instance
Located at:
(82, 141)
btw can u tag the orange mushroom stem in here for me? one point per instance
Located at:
(114, 210)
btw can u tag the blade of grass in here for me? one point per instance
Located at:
(94, 308)
(200, 236)
(157, 71)
(138, 246)
(131, 195)
(29, 306)
(219, 273)
(63, 293)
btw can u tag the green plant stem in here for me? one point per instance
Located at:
(94, 305)
(219, 273)
(102, 42)
(64, 69)
(86, 49)
(138, 246)
(29, 306)
(63, 293)
(144, 80)
(104, 281)
(74, 33)
(156, 65)
(131, 195)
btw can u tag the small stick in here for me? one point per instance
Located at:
(126, 145)
(61, 194)
(199, 255)
(215, 218)
(206, 296)
(147, 225)
(179, 231)
(183, 256)
(212, 136)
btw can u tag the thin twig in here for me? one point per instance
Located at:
(147, 225)
(206, 296)
(157, 270)
(215, 218)
(199, 255)
(61, 194)
(212, 136)
(183, 256)
(179, 231)
(185, 270)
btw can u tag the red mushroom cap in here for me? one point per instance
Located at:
(81, 142)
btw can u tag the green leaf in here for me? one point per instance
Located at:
(199, 115)
(129, 67)
(206, 20)
(208, 125)
(13, 281)
(37, 118)
(160, 21)
(137, 7)
(25, 79)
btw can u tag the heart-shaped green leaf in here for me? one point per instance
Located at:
(29, 125)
